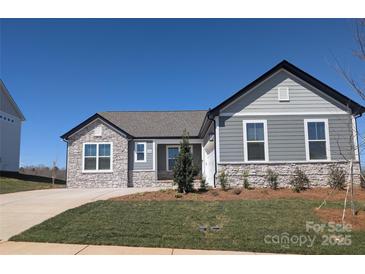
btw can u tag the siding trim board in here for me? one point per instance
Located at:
(176, 141)
(354, 135)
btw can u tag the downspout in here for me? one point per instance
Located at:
(66, 159)
(129, 165)
(215, 150)
(358, 148)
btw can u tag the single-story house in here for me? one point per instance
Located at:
(284, 119)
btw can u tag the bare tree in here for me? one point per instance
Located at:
(54, 172)
(357, 85)
(359, 35)
(355, 142)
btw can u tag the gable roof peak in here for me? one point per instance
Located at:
(11, 100)
(306, 77)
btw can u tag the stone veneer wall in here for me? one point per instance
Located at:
(146, 179)
(317, 173)
(117, 178)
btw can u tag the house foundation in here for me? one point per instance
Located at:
(317, 173)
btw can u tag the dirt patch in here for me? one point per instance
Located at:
(251, 194)
(335, 215)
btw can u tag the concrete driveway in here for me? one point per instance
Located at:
(22, 210)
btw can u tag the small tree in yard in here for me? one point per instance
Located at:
(224, 181)
(203, 185)
(184, 169)
(54, 172)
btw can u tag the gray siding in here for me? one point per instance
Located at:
(264, 97)
(285, 137)
(161, 159)
(148, 165)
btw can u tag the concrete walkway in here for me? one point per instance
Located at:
(27, 248)
(22, 210)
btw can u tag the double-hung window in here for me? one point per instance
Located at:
(140, 152)
(172, 153)
(255, 140)
(317, 139)
(97, 157)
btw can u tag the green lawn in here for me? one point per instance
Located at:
(175, 224)
(9, 185)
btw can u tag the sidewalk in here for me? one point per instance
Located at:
(30, 248)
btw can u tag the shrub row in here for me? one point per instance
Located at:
(299, 180)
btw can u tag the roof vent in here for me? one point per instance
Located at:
(283, 94)
(98, 131)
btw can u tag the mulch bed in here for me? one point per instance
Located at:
(335, 215)
(246, 194)
(326, 214)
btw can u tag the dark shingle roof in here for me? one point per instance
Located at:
(141, 124)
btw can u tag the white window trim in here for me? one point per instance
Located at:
(144, 152)
(266, 145)
(328, 148)
(167, 154)
(217, 140)
(354, 134)
(97, 158)
(286, 99)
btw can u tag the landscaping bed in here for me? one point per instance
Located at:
(335, 215)
(245, 194)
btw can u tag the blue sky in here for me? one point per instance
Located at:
(62, 71)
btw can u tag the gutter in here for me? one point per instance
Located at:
(215, 150)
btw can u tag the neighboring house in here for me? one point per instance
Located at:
(283, 120)
(11, 119)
